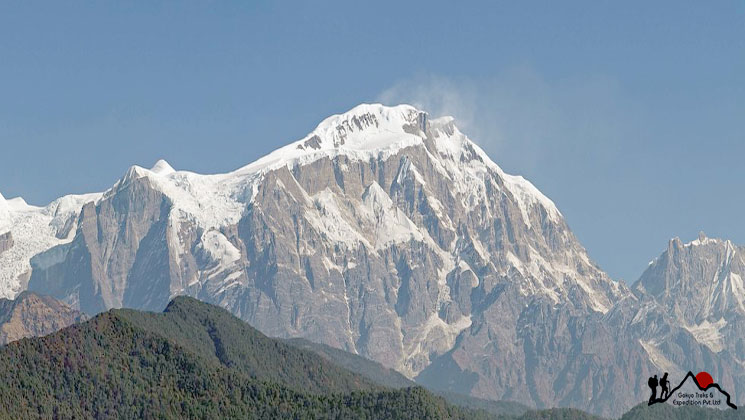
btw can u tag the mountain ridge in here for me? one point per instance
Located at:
(68, 374)
(387, 234)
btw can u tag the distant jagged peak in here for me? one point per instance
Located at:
(713, 250)
(699, 282)
(702, 239)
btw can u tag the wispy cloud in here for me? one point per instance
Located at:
(437, 95)
(583, 142)
(522, 119)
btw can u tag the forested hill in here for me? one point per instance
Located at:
(196, 360)
(392, 379)
(192, 361)
(217, 336)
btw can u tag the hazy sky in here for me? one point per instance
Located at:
(629, 115)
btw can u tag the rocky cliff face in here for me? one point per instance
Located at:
(385, 233)
(32, 315)
(699, 283)
(697, 289)
(101, 267)
(6, 241)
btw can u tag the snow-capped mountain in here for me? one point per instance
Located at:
(382, 232)
(699, 286)
(699, 282)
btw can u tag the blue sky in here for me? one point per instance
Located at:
(629, 115)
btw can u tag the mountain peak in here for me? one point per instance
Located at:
(707, 274)
(702, 239)
(162, 167)
(369, 116)
(375, 131)
(365, 131)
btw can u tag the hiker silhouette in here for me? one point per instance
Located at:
(665, 384)
(653, 382)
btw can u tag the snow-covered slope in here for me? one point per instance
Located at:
(366, 131)
(33, 230)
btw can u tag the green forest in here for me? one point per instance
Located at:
(196, 360)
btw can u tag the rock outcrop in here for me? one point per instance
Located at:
(32, 315)
(6, 241)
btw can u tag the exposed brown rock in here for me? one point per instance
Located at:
(32, 315)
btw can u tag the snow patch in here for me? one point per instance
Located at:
(390, 224)
(435, 329)
(657, 358)
(219, 248)
(708, 333)
(738, 290)
(528, 196)
(328, 218)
